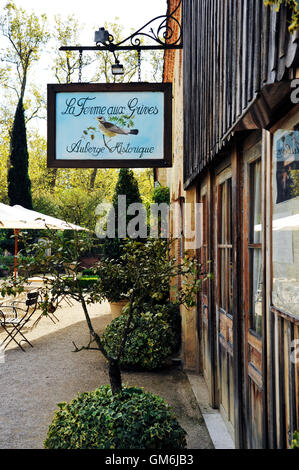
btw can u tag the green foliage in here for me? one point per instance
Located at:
(295, 441)
(6, 265)
(7, 240)
(161, 195)
(155, 335)
(126, 185)
(144, 271)
(66, 63)
(47, 204)
(123, 121)
(7, 261)
(75, 205)
(88, 272)
(114, 277)
(26, 34)
(19, 184)
(294, 7)
(295, 182)
(145, 178)
(78, 206)
(132, 419)
(85, 281)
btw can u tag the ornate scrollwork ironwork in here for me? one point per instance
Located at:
(168, 33)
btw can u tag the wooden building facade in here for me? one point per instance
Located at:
(236, 151)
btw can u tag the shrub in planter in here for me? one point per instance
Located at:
(132, 419)
(155, 335)
(114, 279)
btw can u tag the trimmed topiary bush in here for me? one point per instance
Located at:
(155, 335)
(132, 419)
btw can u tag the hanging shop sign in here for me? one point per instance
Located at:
(110, 125)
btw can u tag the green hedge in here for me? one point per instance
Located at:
(155, 336)
(88, 281)
(133, 419)
(7, 260)
(85, 281)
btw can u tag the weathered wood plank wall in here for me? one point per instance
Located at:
(232, 50)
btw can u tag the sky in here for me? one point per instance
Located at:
(131, 14)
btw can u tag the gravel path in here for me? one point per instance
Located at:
(32, 383)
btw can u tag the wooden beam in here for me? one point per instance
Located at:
(238, 362)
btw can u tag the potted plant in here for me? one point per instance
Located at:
(114, 283)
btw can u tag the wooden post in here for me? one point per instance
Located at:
(240, 438)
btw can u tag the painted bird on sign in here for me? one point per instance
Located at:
(111, 130)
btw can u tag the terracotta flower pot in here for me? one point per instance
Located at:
(116, 308)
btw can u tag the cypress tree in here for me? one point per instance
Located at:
(19, 184)
(126, 185)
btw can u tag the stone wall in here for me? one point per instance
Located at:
(173, 177)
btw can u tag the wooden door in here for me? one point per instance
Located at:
(224, 295)
(253, 292)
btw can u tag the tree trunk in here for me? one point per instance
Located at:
(53, 179)
(93, 179)
(114, 369)
(115, 377)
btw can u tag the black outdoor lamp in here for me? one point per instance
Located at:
(102, 36)
(117, 68)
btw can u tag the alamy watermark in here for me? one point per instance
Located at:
(138, 221)
(295, 351)
(2, 354)
(295, 92)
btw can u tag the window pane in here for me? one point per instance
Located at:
(256, 290)
(230, 281)
(255, 254)
(285, 183)
(255, 200)
(222, 214)
(229, 212)
(222, 279)
(204, 249)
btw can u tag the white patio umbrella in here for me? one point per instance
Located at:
(18, 218)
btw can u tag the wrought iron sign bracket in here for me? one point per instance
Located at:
(168, 35)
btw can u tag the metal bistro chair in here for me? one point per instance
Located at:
(14, 322)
